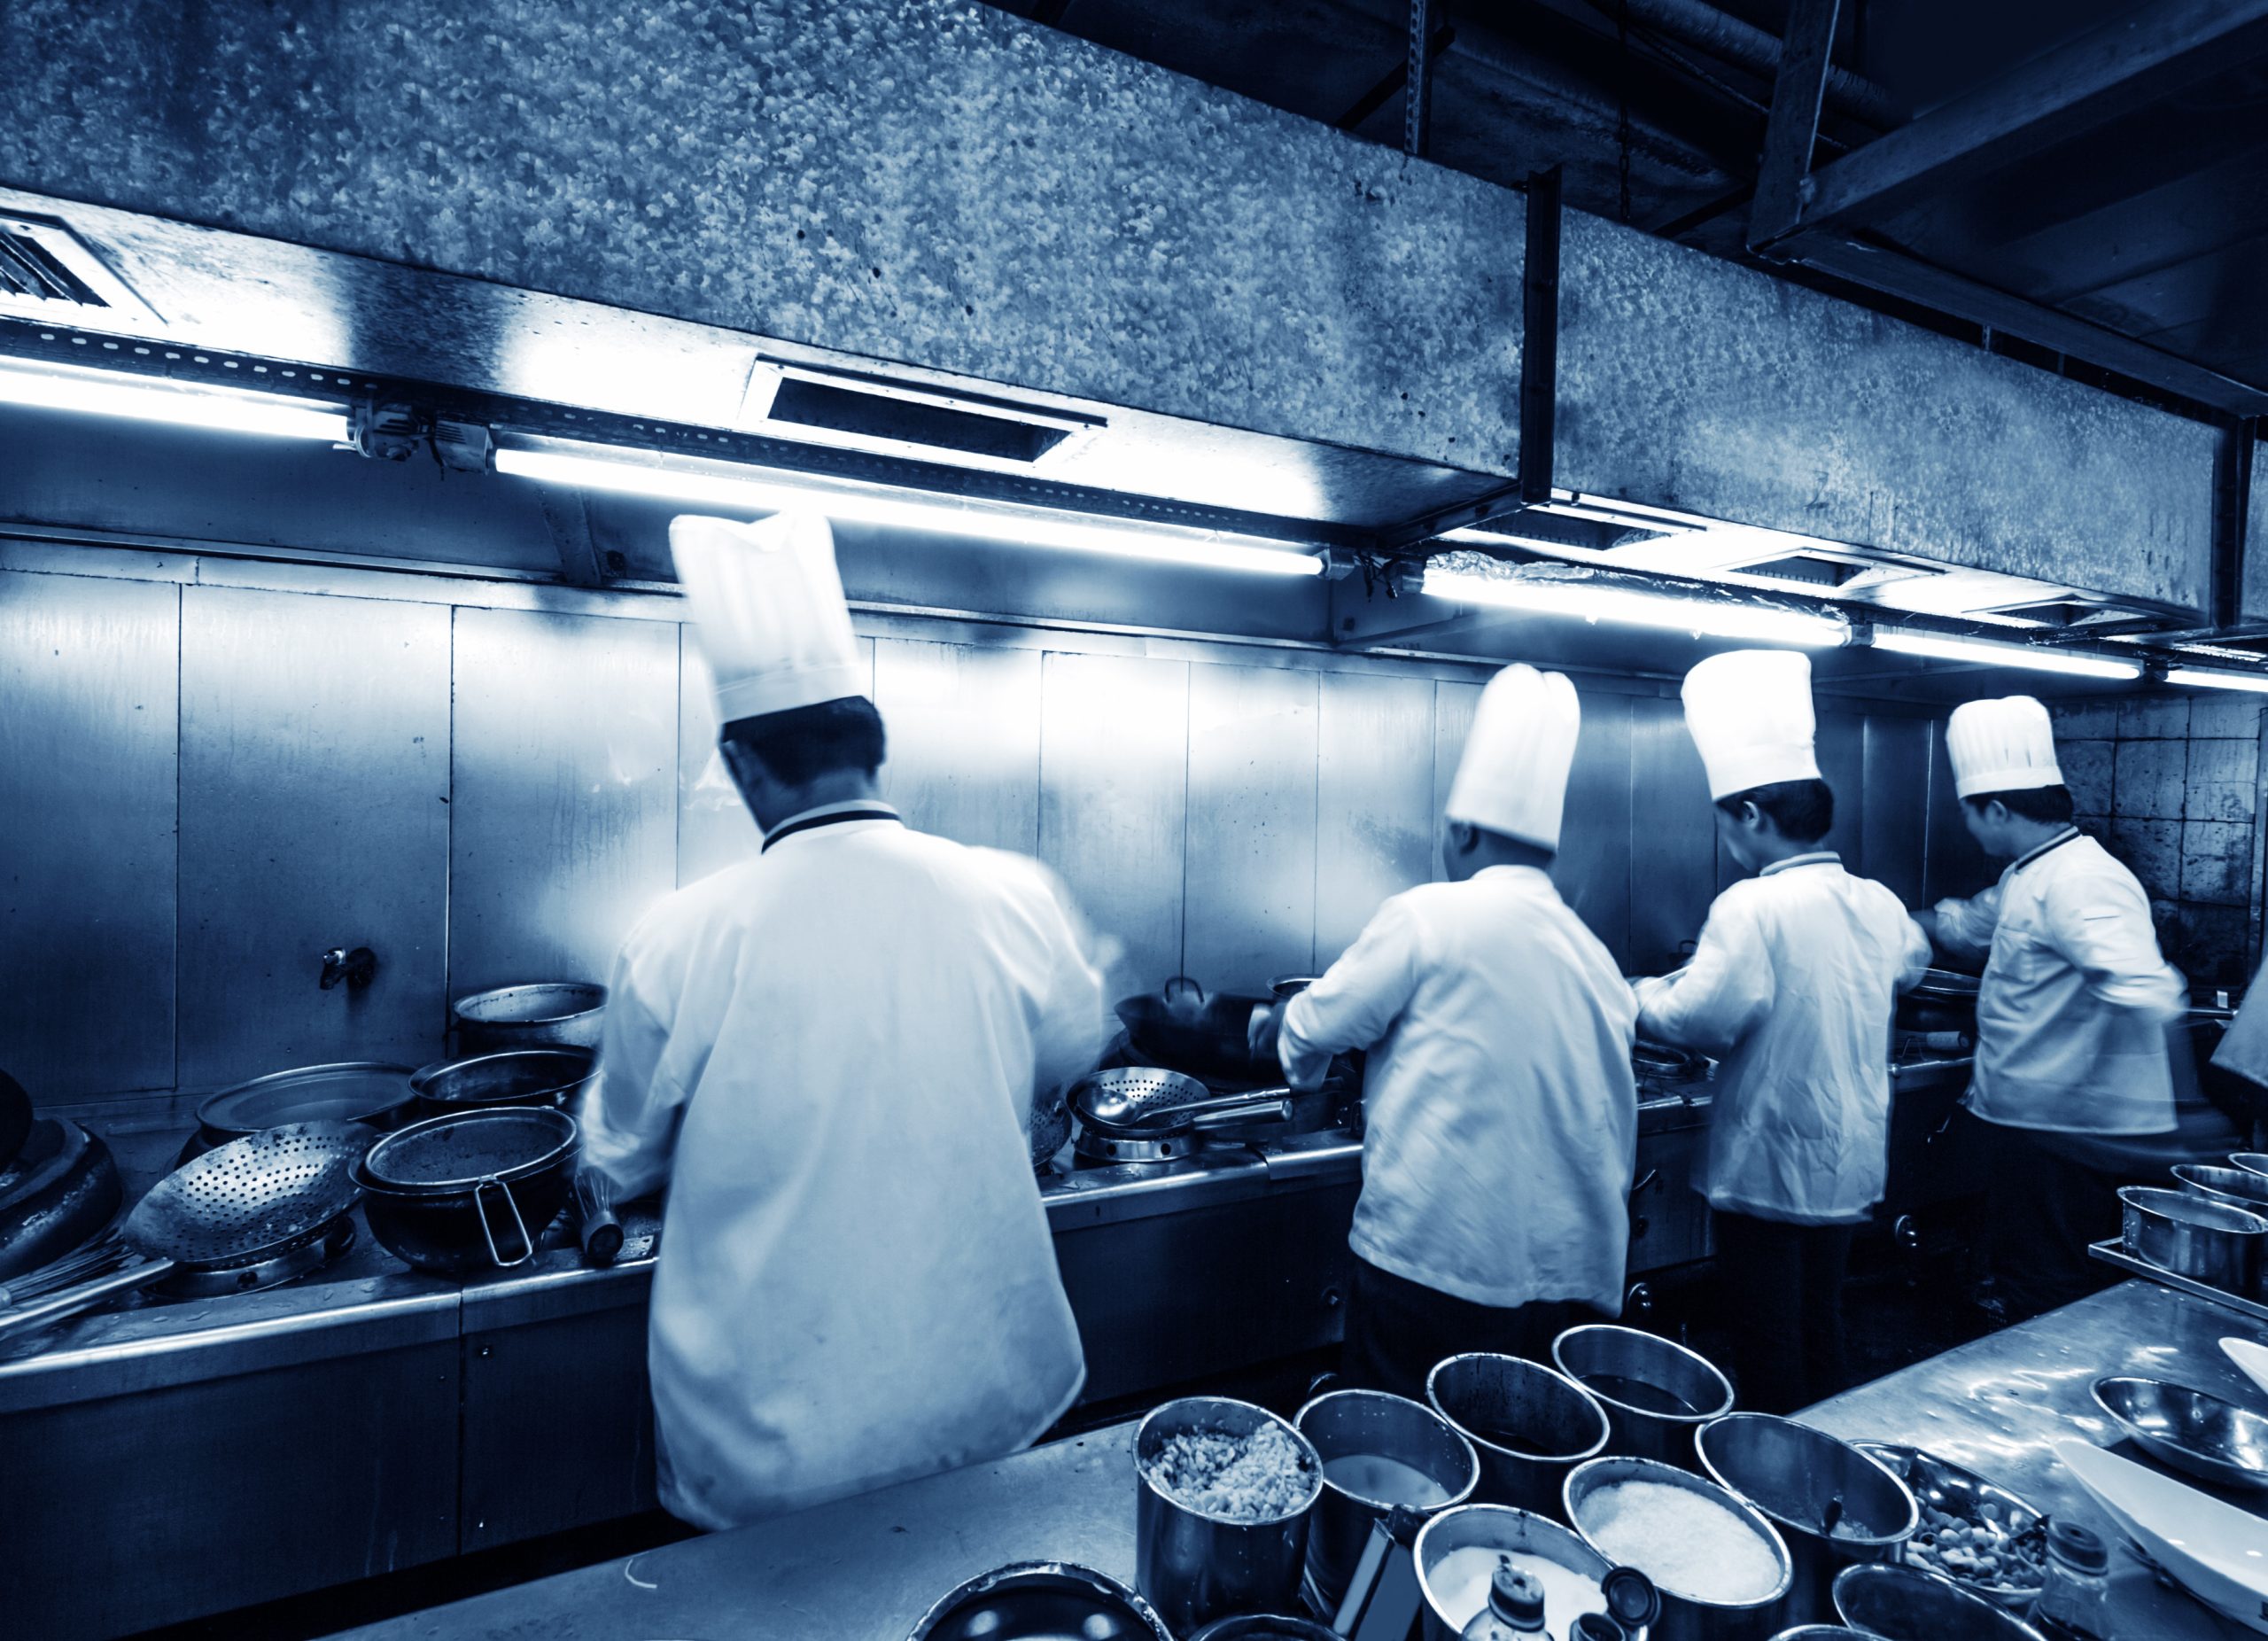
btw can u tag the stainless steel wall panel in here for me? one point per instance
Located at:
(963, 723)
(1952, 865)
(1593, 871)
(1673, 836)
(89, 773)
(1249, 887)
(1113, 792)
(564, 782)
(1454, 703)
(1375, 818)
(1841, 747)
(1894, 805)
(314, 813)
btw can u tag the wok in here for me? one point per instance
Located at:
(1206, 1038)
(62, 1188)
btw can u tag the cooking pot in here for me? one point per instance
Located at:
(375, 1092)
(471, 1190)
(513, 1077)
(554, 1014)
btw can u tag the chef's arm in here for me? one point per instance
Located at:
(1964, 928)
(1914, 962)
(1356, 1002)
(630, 1116)
(1711, 1002)
(2105, 932)
(1071, 1028)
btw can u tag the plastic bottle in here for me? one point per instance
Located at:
(2074, 1604)
(1515, 1608)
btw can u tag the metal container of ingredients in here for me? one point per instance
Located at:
(1194, 1565)
(555, 1014)
(2238, 1188)
(1378, 1451)
(1656, 1394)
(1833, 1504)
(1455, 1581)
(1684, 1617)
(1530, 1425)
(1901, 1602)
(2190, 1236)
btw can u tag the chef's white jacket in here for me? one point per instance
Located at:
(829, 1054)
(2072, 1010)
(1793, 982)
(1501, 1110)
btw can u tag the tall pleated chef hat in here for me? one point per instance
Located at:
(1750, 713)
(1513, 776)
(2002, 745)
(768, 603)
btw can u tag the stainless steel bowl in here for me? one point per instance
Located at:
(2251, 1162)
(1194, 1566)
(511, 1077)
(2212, 1439)
(1940, 1485)
(1902, 1604)
(1530, 1425)
(2206, 1241)
(1684, 1618)
(1833, 1504)
(1040, 1600)
(2238, 1188)
(553, 1014)
(1498, 1528)
(1351, 1430)
(1656, 1394)
(1823, 1632)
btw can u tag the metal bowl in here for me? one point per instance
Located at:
(1902, 1604)
(1656, 1394)
(2206, 1241)
(354, 1091)
(2212, 1439)
(512, 1077)
(1350, 1430)
(1833, 1504)
(1940, 1485)
(2237, 1188)
(1684, 1617)
(1041, 1600)
(1530, 1426)
(555, 1014)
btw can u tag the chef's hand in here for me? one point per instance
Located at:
(1260, 1034)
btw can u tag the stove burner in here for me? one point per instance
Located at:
(335, 1239)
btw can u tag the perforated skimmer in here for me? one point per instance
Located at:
(239, 1203)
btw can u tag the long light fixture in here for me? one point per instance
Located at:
(1982, 652)
(1588, 602)
(2209, 678)
(768, 491)
(96, 393)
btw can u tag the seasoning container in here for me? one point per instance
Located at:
(1515, 1609)
(2073, 1607)
(1195, 1565)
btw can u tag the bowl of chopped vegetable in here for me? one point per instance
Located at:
(1224, 1490)
(1981, 1537)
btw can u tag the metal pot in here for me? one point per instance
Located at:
(462, 1191)
(1265, 1627)
(1206, 1038)
(372, 1092)
(1348, 1427)
(1496, 1527)
(1530, 1426)
(1685, 1618)
(2204, 1240)
(2238, 1188)
(515, 1076)
(1039, 1599)
(1833, 1504)
(1907, 1605)
(61, 1188)
(1194, 1567)
(554, 1014)
(1656, 1394)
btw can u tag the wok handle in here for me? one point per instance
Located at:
(594, 1205)
(1272, 1102)
(480, 1213)
(81, 1297)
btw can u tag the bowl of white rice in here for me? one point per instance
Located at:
(1223, 1493)
(1720, 1566)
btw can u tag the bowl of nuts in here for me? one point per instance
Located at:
(1981, 1537)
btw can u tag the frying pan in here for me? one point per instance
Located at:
(248, 1201)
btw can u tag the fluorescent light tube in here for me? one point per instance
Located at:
(1586, 601)
(107, 394)
(2034, 658)
(1208, 550)
(2207, 677)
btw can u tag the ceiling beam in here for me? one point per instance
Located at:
(1417, 81)
(2143, 57)
(1798, 92)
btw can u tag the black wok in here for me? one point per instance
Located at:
(1206, 1038)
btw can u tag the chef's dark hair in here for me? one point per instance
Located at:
(805, 743)
(2049, 803)
(1803, 809)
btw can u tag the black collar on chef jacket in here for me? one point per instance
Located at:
(831, 814)
(2032, 854)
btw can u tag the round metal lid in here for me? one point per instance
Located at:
(353, 1091)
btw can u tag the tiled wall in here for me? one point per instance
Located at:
(2172, 785)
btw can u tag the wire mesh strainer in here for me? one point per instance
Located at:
(453, 1152)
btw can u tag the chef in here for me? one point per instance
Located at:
(827, 1054)
(2071, 1012)
(1793, 982)
(1502, 1113)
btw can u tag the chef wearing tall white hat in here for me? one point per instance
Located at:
(827, 1054)
(2070, 1015)
(1793, 982)
(1502, 1113)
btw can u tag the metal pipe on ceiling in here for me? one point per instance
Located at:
(1705, 28)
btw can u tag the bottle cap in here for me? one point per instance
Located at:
(1517, 1597)
(1596, 1627)
(1631, 1597)
(2076, 1547)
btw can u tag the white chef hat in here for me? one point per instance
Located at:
(2003, 745)
(768, 603)
(1750, 713)
(1513, 776)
